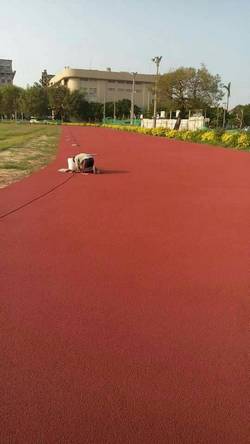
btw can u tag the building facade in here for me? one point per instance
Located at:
(107, 86)
(6, 73)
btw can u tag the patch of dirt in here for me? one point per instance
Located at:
(31, 157)
(8, 176)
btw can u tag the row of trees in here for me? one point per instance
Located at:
(41, 102)
(190, 89)
(184, 89)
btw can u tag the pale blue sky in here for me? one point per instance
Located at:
(126, 34)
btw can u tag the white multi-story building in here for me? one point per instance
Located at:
(6, 72)
(107, 86)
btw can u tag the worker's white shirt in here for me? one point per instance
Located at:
(79, 158)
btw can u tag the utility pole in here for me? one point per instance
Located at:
(224, 115)
(132, 98)
(242, 118)
(157, 61)
(228, 89)
(104, 104)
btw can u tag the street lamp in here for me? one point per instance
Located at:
(132, 99)
(157, 61)
(224, 115)
(104, 103)
(228, 89)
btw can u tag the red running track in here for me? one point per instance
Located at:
(125, 296)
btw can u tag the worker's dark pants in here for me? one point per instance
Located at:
(88, 163)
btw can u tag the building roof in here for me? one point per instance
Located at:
(96, 74)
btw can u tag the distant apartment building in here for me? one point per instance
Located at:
(6, 73)
(107, 86)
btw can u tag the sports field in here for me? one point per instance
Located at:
(125, 295)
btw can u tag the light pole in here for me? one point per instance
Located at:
(224, 115)
(104, 103)
(228, 89)
(157, 61)
(132, 98)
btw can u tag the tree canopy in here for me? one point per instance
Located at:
(240, 116)
(189, 88)
(10, 96)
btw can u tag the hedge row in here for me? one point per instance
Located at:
(237, 139)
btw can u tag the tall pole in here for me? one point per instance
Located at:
(104, 104)
(132, 99)
(157, 61)
(242, 118)
(224, 115)
(228, 89)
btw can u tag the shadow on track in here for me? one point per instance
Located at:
(104, 171)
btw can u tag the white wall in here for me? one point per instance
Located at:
(192, 124)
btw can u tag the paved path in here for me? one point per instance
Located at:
(124, 307)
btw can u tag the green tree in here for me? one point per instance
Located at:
(95, 111)
(58, 96)
(35, 101)
(109, 109)
(240, 116)
(76, 106)
(1, 103)
(45, 78)
(10, 102)
(189, 88)
(123, 108)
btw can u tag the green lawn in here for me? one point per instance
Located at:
(24, 148)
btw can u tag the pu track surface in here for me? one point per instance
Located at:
(125, 296)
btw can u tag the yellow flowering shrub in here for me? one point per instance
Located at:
(185, 135)
(171, 134)
(188, 135)
(209, 137)
(229, 139)
(243, 141)
(142, 130)
(158, 131)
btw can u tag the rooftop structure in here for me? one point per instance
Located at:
(6, 72)
(107, 86)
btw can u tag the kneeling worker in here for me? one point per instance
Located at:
(84, 162)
